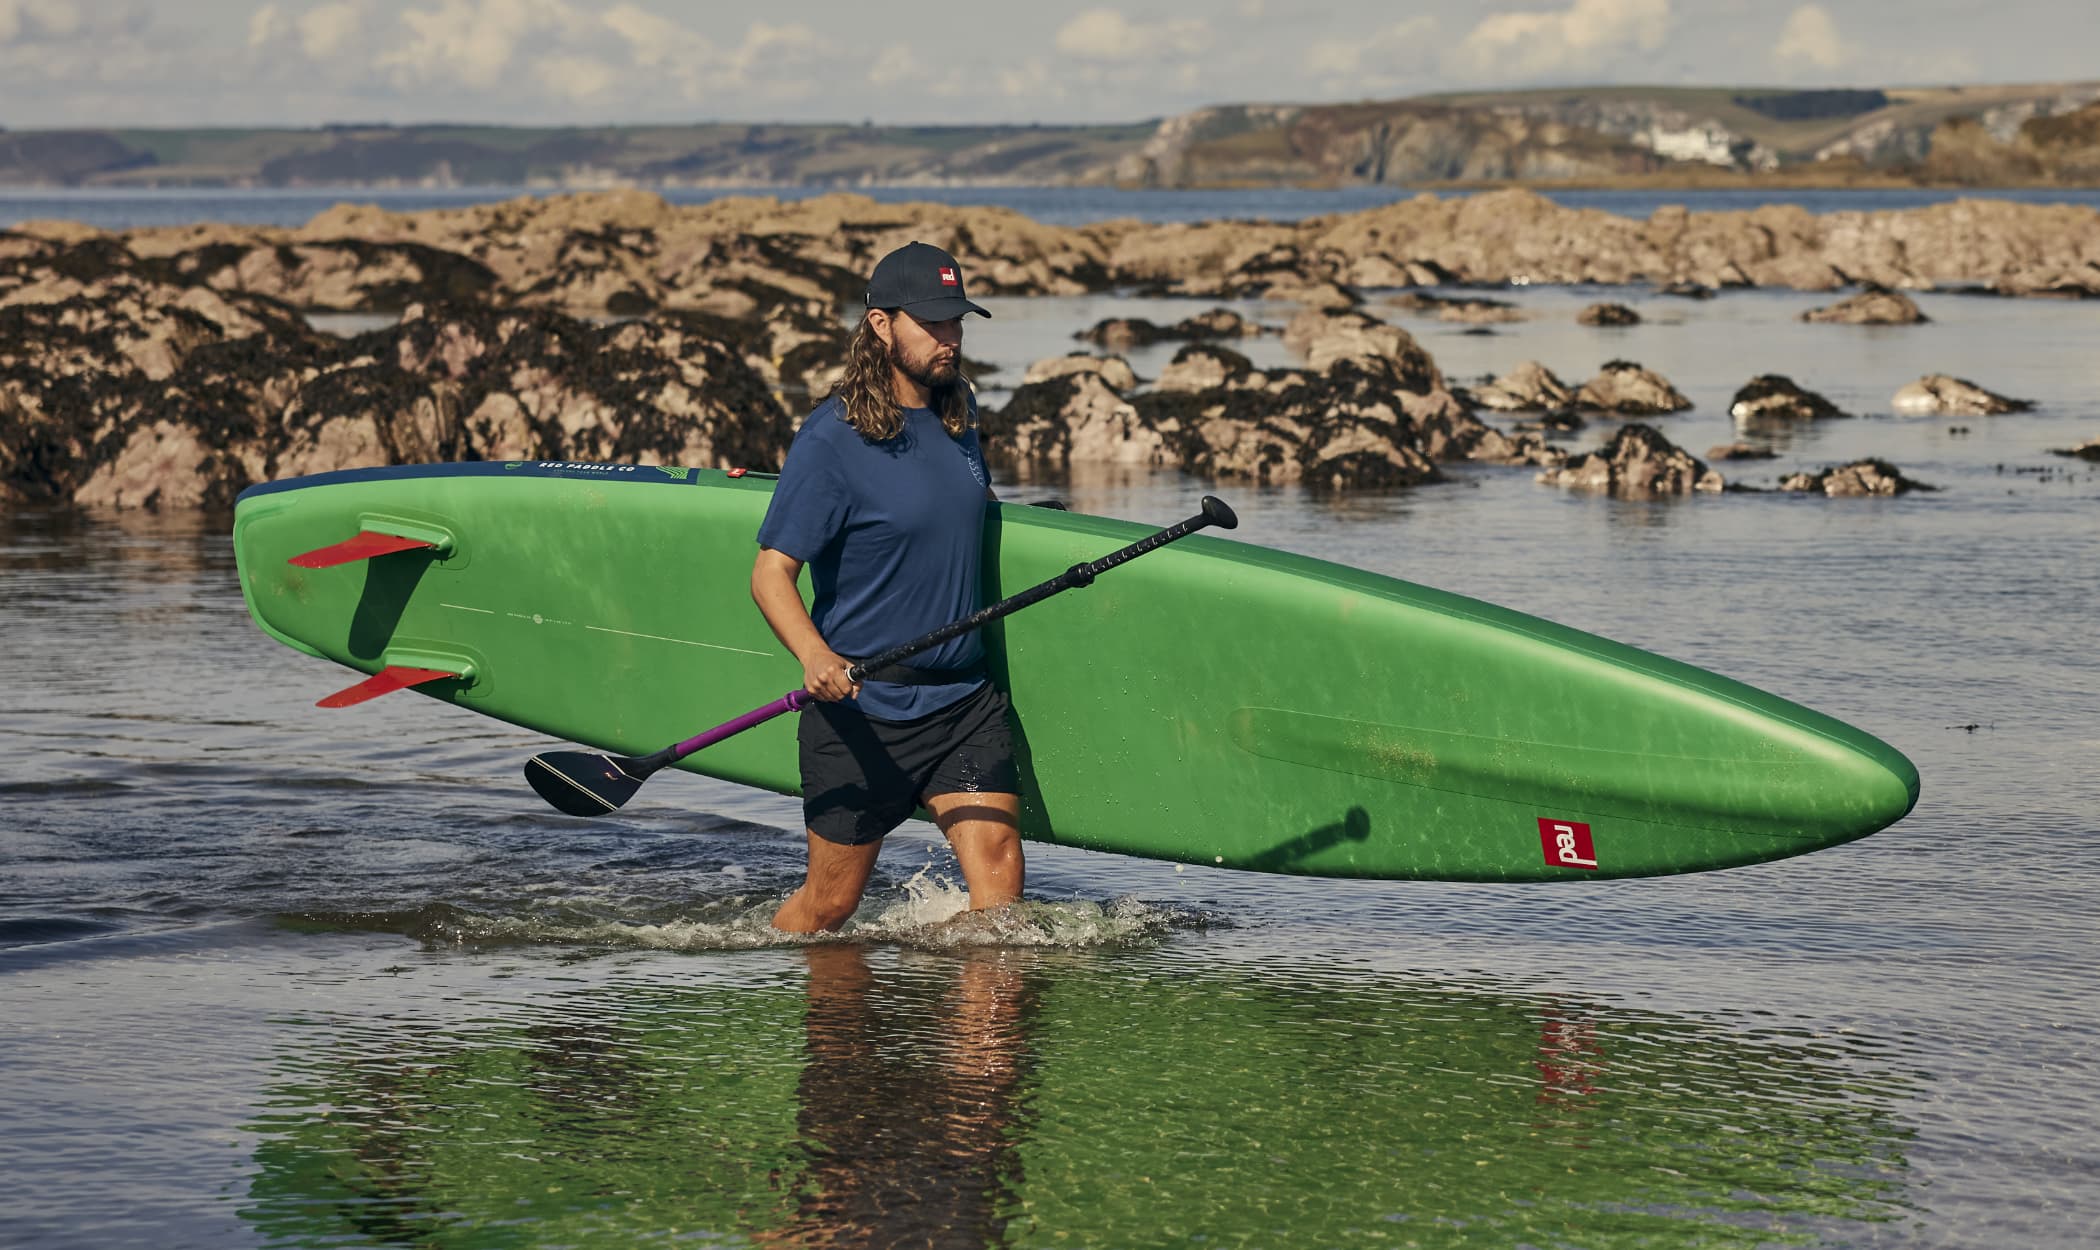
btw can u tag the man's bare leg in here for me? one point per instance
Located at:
(831, 890)
(985, 830)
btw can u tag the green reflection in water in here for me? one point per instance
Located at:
(1032, 1099)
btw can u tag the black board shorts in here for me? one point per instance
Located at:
(862, 777)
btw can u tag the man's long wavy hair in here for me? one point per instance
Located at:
(871, 401)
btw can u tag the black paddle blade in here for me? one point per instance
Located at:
(581, 783)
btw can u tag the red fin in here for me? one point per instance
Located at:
(385, 681)
(367, 545)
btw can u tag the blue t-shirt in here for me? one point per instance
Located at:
(891, 533)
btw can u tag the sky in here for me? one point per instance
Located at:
(580, 62)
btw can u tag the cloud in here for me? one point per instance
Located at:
(472, 42)
(266, 25)
(772, 52)
(895, 64)
(1390, 58)
(66, 22)
(1106, 35)
(654, 40)
(1578, 38)
(1810, 37)
(577, 78)
(29, 21)
(1031, 80)
(329, 29)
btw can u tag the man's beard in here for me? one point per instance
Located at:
(930, 372)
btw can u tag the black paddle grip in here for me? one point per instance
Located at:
(1214, 513)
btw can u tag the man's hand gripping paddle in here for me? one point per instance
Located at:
(584, 783)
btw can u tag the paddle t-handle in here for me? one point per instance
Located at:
(584, 783)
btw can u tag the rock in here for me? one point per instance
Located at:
(1874, 306)
(1121, 334)
(1774, 397)
(1071, 419)
(630, 252)
(1349, 428)
(1113, 370)
(801, 356)
(1312, 294)
(1327, 337)
(1531, 386)
(1624, 388)
(1465, 311)
(2075, 281)
(1861, 477)
(1938, 394)
(2088, 450)
(1202, 367)
(1608, 315)
(1125, 333)
(1687, 290)
(1741, 451)
(127, 381)
(1367, 420)
(1558, 421)
(1638, 462)
(1219, 323)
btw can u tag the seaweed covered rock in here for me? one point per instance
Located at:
(1071, 418)
(1625, 388)
(1464, 310)
(1366, 421)
(1121, 334)
(1530, 387)
(125, 381)
(1861, 477)
(1875, 306)
(1114, 370)
(1608, 315)
(1318, 431)
(1324, 337)
(119, 383)
(1773, 397)
(1637, 462)
(1941, 395)
(338, 275)
(1203, 367)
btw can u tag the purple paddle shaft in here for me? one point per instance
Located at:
(792, 701)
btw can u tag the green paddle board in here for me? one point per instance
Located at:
(1212, 702)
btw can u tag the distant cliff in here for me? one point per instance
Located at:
(726, 155)
(2062, 149)
(1661, 136)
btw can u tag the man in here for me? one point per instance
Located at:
(883, 497)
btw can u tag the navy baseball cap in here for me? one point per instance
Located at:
(922, 280)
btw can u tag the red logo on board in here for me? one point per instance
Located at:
(1567, 843)
(948, 277)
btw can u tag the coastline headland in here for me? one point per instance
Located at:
(175, 366)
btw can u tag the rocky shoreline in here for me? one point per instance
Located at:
(176, 366)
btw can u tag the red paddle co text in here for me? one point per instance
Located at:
(1567, 843)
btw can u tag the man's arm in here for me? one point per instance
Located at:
(773, 577)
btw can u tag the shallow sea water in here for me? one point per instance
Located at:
(272, 976)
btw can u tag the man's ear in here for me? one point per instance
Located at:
(879, 321)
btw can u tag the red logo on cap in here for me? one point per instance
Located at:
(948, 277)
(1567, 843)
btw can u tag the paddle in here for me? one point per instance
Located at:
(584, 783)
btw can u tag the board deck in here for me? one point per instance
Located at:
(1214, 702)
